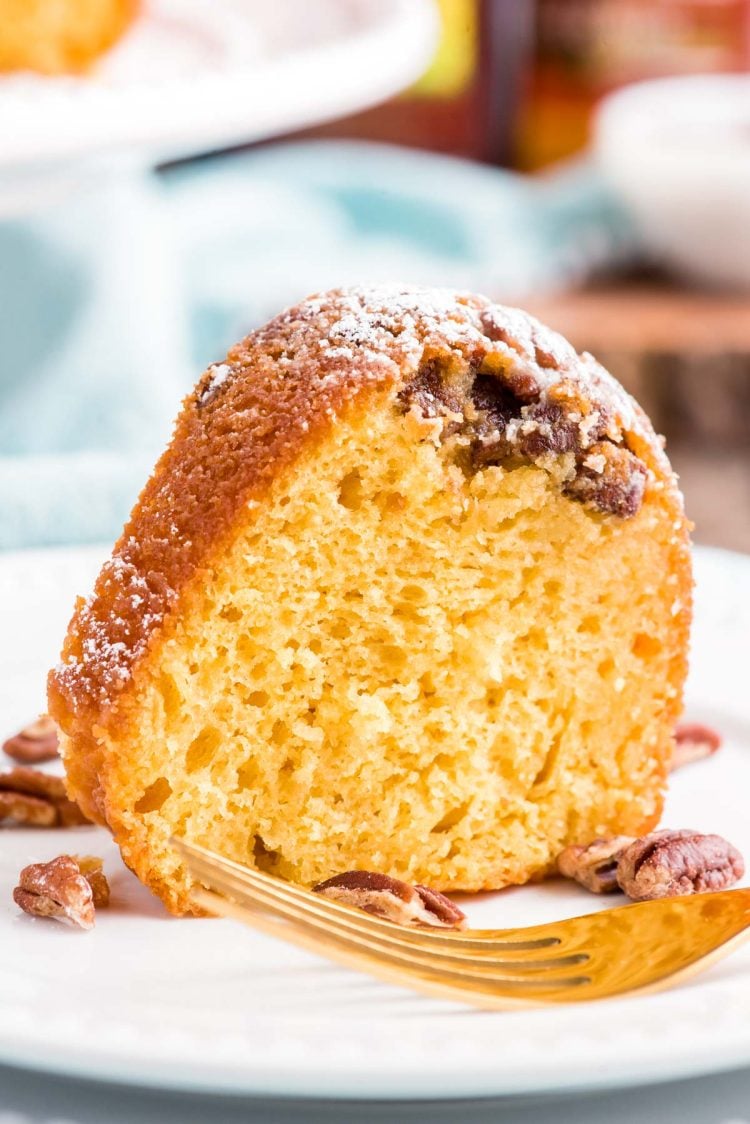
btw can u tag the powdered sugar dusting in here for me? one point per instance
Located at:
(113, 625)
(370, 325)
(218, 374)
(372, 328)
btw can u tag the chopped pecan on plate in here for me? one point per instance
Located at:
(29, 796)
(692, 742)
(395, 900)
(92, 870)
(65, 889)
(667, 864)
(594, 865)
(35, 743)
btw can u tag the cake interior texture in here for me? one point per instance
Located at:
(405, 668)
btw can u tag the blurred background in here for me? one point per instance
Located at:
(174, 172)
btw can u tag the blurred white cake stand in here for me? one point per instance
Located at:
(193, 76)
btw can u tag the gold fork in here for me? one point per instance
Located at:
(640, 948)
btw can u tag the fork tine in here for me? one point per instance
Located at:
(507, 941)
(481, 941)
(357, 924)
(378, 942)
(432, 981)
(690, 934)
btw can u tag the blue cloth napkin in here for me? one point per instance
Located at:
(113, 301)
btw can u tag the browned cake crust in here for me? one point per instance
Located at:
(276, 396)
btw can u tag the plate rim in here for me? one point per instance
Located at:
(363, 1085)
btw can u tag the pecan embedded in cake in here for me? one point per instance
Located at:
(508, 410)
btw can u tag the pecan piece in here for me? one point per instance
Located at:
(22, 808)
(668, 864)
(91, 868)
(693, 742)
(65, 889)
(35, 743)
(611, 478)
(395, 900)
(594, 865)
(29, 796)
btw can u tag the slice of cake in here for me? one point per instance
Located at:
(409, 591)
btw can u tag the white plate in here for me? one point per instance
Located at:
(192, 76)
(210, 1005)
